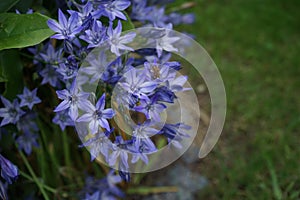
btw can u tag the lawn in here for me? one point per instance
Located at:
(256, 46)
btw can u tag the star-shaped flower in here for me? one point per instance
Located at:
(97, 115)
(11, 113)
(116, 41)
(29, 98)
(65, 29)
(73, 99)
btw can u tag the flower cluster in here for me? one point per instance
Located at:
(12, 113)
(145, 91)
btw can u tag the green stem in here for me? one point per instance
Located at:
(151, 190)
(35, 178)
(50, 189)
(66, 149)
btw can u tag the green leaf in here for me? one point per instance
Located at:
(5, 5)
(2, 75)
(18, 31)
(127, 25)
(11, 68)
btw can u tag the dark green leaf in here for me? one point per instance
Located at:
(2, 75)
(5, 5)
(17, 31)
(11, 68)
(127, 25)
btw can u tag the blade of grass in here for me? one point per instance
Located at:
(35, 178)
(50, 189)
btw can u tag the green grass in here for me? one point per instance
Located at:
(256, 46)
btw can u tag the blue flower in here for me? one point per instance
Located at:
(98, 144)
(166, 42)
(115, 70)
(27, 122)
(49, 55)
(140, 10)
(26, 141)
(87, 13)
(50, 75)
(94, 196)
(3, 190)
(164, 94)
(174, 133)
(11, 113)
(8, 170)
(97, 115)
(65, 29)
(157, 17)
(159, 72)
(151, 108)
(116, 41)
(63, 119)
(113, 179)
(142, 134)
(113, 9)
(67, 71)
(176, 85)
(29, 98)
(97, 66)
(176, 18)
(73, 99)
(119, 151)
(135, 83)
(94, 36)
(104, 188)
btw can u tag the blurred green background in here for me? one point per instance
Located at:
(256, 46)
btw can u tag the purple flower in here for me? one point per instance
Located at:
(157, 17)
(176, 18)
(49, 55)
(8, 170)
(11, 113)
(114, 9)
(63, 119)
(102, 189)
(94, 36)
(98, 144)
(72, 100)
(113, 179)
(94, 196)
(119, 151)
(163, 93)
(176, 85)
(142, 134)
(27, 122)
(97, 66)
(115, 70)
(159, 72)
(136, 84)
(29, 98)
(26, 141)
(50, 75)
(65, 29)
(174, 133)
(97, 115)
(151, 108)
(116, 41)
(87, 13)
(166, 42)
(140, 10)
(67, 71)
(3, 190)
